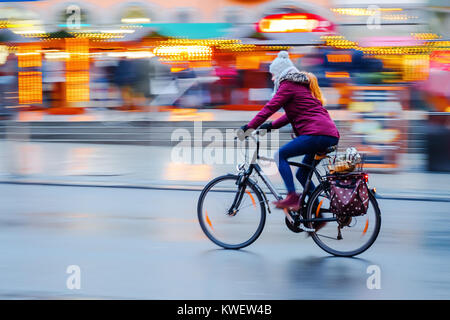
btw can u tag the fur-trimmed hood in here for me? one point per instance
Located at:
(300, 77)
(293, 75)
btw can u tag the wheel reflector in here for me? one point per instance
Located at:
(251, 197)
(207, 219)
(318, 207)
(366, 227)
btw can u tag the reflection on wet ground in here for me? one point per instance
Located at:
(152, 165)
(148, 244)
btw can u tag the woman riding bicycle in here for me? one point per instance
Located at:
(300, 96)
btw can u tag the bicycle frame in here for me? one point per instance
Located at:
(294, 218)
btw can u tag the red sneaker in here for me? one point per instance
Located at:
(290, 202)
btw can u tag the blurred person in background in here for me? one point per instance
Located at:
(141, 88)
(298, 93)
(100, 80)
(125, 79)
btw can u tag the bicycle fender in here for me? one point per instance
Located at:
(257, 187)
(374, 194)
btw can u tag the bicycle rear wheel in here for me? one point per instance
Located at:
(357, 234)
(238, 229)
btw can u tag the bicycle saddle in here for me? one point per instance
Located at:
(321, 155)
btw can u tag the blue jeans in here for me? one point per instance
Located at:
(302, 145)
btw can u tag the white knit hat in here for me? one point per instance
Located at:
(281, 64)
(279, 67)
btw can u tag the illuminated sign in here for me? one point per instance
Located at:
(183, 53)
(294, 22)
(339, 58)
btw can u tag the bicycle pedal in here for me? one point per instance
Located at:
(301, 226)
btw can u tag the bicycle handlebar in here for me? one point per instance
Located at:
(252, 134)
(244, 137)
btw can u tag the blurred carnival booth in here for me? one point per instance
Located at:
(380, 84)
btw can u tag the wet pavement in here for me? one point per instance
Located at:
(133, 243)
(153, 166)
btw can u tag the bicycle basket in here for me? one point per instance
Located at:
(342, 163)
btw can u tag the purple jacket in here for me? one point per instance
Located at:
(305, 113)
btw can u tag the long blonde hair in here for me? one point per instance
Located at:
(315, 89)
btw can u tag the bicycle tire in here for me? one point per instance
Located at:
(338, 253)
(254, 187)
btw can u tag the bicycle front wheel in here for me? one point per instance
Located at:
(238, 228)
(357, 233)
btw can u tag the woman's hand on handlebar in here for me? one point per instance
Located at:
(244, 127)
(266, 126)
(244, 132)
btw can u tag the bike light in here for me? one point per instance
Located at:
(366, 177)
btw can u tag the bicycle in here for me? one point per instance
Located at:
(228, 209)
